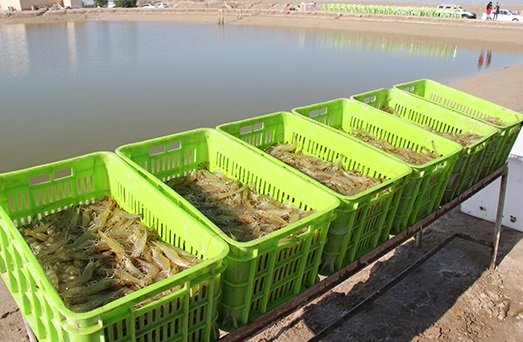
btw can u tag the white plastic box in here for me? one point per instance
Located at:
(485, 203)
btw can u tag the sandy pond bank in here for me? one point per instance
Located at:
(471, 33)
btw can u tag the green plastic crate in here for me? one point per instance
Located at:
(475, 107)
(265, 272)
(426, 184)
(474, 158)
(361, 219)
(188, 314)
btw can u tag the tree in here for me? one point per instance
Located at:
(125, 3)
(100, 3)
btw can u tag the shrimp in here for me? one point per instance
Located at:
(139, 246)
(151, 271)
(232, 206)
(172, 255)
(90, 263)
(131, 268)
(88, 271)
(128, 278)
(53, 277)
(113, 245)
(97, 301)
(36, 235)
(92, 288)
(160, 260)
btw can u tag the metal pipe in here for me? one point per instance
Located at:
(355, 309)
(30, 333)
(418, 238)
(499, 218)
(337, 278)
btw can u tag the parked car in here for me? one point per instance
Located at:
(149, 6)
(504, 15)
(161, 5)
(457, 8)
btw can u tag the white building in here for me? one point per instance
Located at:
(20, 5)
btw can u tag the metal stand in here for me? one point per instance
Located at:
(499, 218)
(30, 332)
(418, 238)
(335, 279)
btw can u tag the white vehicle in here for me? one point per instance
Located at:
(457, 8)
(504, 15)
(149, 6)
(111, 4)
(161, 5)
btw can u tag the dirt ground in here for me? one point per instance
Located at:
(450, 297)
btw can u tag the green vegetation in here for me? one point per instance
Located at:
(100, 3)
(125, 3)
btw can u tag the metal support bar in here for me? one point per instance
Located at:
(30, 333)
(499, 218)
(418, 238)
(337, 278)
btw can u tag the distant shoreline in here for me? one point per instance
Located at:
(496, 34)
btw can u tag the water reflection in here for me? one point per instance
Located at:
(484, 61)
(72, 46)
(14, 53)
(73, 88)
(395, 46)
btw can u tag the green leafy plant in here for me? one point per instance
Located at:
(100, 3)
(125, 3)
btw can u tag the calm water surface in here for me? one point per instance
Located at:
(72, 88)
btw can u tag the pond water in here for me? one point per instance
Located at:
(72, 88)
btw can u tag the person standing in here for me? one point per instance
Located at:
(496, 11)
(489, 10)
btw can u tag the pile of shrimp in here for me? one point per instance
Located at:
(464, 139)
(406, 154)
(389, 110)
(494, 121)
(345, 182)
(238, 211)
(96, 253)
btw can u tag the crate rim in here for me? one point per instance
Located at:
(345, 198)
(55, 297)
(499, 127)
(457, 148)
(487, 126)
(274, 236)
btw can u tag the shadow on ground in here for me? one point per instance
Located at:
(418, 301)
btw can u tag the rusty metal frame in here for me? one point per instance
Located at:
(337, 278)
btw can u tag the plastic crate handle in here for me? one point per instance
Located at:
(370, 99)
(50, 177)
(164, 148)
(252, 128)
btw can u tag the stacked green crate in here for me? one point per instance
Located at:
(188, 314)
(426, 185)
(263, 273)
(507, 121)
(474, 158)
(361, 219)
